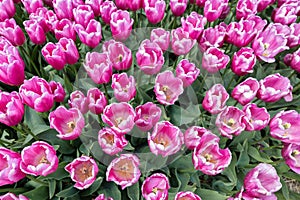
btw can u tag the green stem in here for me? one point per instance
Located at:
(31, 62)
(292, 74)
(229, 84)
(106, 93)
(37, 180)
(262, 139)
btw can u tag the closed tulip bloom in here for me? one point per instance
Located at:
(120, 116)
(122, 4)
(186, 196)
(83, 171)
(135, 5)
(156, 186)
(10, 167)
(32, 5)
(64, 8)
(284, 126)
(98, 67)
(95, 5)
(155, 10)
(193, 24)
(166, 139)
(262, 181)
(58, 91)
(11, 108)
(215, 99)
(246, 8)
(167, 88)
(295, 60)
(83, 14)
(39, 159)
(214, 59)
(8, 9)
(96, 100)
(91, 34)
(285, 14)
(70, 50)
(35, 31)
(192, 136)
(178, 7)
(214, 8)
(263, 4)
(67, 122)
(291, 155)
(65, 28)
(102, 197)
(147, 115)
(79, 100)
(230, 122)
(37, 94)
(255, 118)
(123, 86)
(13, 32)
(11, 196)
(106, 10)
(54, 55)
(274, 87)
(121, 25)
(40, 16)
(124, 170)
(149, 57)
(294, 36)
(208, 157)
(110, 141)
(245, 91)
(187, 72)
(212, 37)
(243, 61)
(181, 42)
(161, 37)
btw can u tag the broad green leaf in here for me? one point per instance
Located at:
(133, 191)
(254, 153)
(52, 186)
(210, 194)
(69, 192)
(93, 188)
(284, 190)
(60, 172)
(184, 164)
(34, 121)
(110, 189)
(40, 192)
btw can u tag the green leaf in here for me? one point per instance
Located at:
(110, 189)
(254, 153)
(40, 192)
(150, 162)
(52, 186)
(184, 164)
(210, 194)
(243, 158)
(60, 172)
(284, 189)
(180, 116)
(230, 170)
(69, 192)
(93, 188)
(133, 191)
(34, 121)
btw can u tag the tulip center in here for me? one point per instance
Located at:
(209, 158)
(84, 172)
(109, 138)
(295, 153)
(124, 169)
(286, 125)
(266, 53)
(71, 126)
(166, 90)
(44, 160)
(120, 58)
(231, 122)
(118, 121)
(161, 140)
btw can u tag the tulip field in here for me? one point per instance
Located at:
(150, 99)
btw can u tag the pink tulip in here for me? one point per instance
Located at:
(178, 7)
(166, 139)
(193, 24)
(147, 115)
(187, 72)
(214, 59)
(58, 91)
(79, 100)
(8, 9)
(295, 61)
(98, 67)
(268, 44)
(11, 31)
(155, 10)
(161, 37)
(10, 167)
(110, 141)
(285, 14)
(186, 196)
(192, 136)
(102, 197)
(51, 19)
(167, 88)
(64, 8)
(121, 25)
(149, 57)
(96, 100)
(274, 87)
(83, 171)
(181, 42)
(208, 157)
(35, 31)
(214, 8)
(65, 28)
(83, 14)
(11, 108)
(11, 196)
(263, 4)
(135, 5)
(39, 159)
(107, 8)
(255, 118)
(91, 34)
(37, 94)
(246, 8)
(243, 61)
(284, 126)
(215, 99)
(294, 35)
(124, 170)
(32, 5)
(212, 37)
(119, 55)
(291, 155)
(123, 86)
(95, 5)
(67, 122)
(40, 16)
(262, 181)
(246, 91)
(54, 55)
(230, 122)
(70, 50)
(120, 116)
(156, 186)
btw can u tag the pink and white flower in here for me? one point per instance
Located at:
(121, 25)
(35, 31)
(95, 5)
(11, 31)
(123, 86)
(96, 100)
(156, 186)
(161, 37)
(147, 115)
(102, 197)
(78, 100)
(91, 34)
(214, 59)
(192, 136)
(214, 8)
(187, 72)
(186, 196)
(83, 14)
(178, 7)
(155, 10)
(11, 196)
(246, 8)
(255, 118)
(215, 99)
(286, 13)
(193, 24)
(32, 5)
(291, 155)
(65, 28)
(243, 61)
(181, 42)
(294, 35)
(54, 55)
(245, 91)
(8, 9)
(212, 37)
(58, 91)
(107, 8)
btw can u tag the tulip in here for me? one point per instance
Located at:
(107, 8)
(123, 86)
(263, 4)
(11, 31)
(214, 59)
(245, 92)
(186, 196)
(11, 196)
(78, 100)
(65, 28)
(295, 60)
(285, 14)
(192, 136)
(58, 91)
(255, 118)
(8, 9)
(243, 61)
(294, 35)
(35, 31)
(214, 8)
(212, 37)
(246, 8)
(83, 171)
(187, 72)
(40, 16)
(181, 42)
(91, 34)
(155, 10)
(193, 24)
(64, 8)
(96, 101)
(156, 186)
(32, 5)
(95, 5)
(102, 197)
(215, 99)
(67, 122)
(161, 37)
(54, 55)
(122, 4)
(291, 155)
(70, 50)
(121, 25)
(147, 115)
(124, 170)
(178, 7)
(39, 159)
(83, 14)
(135, 5)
